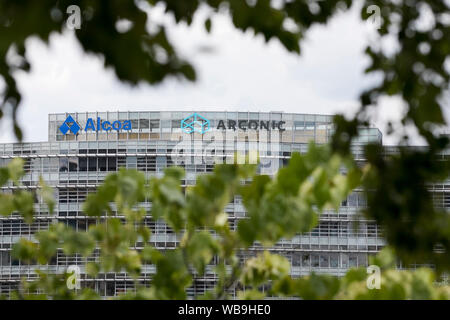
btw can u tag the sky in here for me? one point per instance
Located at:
(241, 72)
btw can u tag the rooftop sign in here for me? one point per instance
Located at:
(100, 125)
(198, 123)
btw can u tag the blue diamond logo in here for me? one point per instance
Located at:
(70, 124)
(195, 123)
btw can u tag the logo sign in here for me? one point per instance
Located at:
(100, 125)
(195, 123)
(70, 124)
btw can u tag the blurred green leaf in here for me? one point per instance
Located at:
(264, 267)
(201, 248)
(46, 193)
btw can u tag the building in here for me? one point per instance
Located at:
(83, 148)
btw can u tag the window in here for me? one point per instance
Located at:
(334, 260)
(82, 164)
(352, 261)
(72, 223)
(63, 165)
(306, 260)
(344, 258)
(73, 164)
(315, 261)
(92, 164)
(102, 164)
(324, 261)
(296, 259)
(110, 288)
(112, 164)
(5, 258)
(82, 225)
(154, 125)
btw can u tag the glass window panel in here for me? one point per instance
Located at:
(63, 165)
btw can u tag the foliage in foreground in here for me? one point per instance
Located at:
(416, 72)
(278, 207)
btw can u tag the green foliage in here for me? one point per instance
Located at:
(46, 192)
(168, 200)
(415, 74)
(211, 193)
(397, 285)
(394, 284)
(25, 250)
(52, 286)
(20, 200)
(385, 259)
(172, 276)
(23, 202)
(77, 242)
(316, 287)
(201, 249)
(136, 55)
(114, 240)
(13, 171)
(399, 200)
(397, 186)
(125, 188)
(287, 203)
(291, 203)
(263, 268)
(7, 205)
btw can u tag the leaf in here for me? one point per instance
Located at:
(250, 295)
(7, 204)
(25, 250)
(314, 287)
(15, 167)
(24, 203)
(97, 204)
(46, 193)
(49, 242)
(4, 176)
(150, 254)
(77, 242)
(145, 233)
(130, 188)
(167, 197)
(92, 269)
(172, 277)
(264, 267)
(201, 249)
(384, 259)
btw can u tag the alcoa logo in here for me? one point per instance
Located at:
(195, 123)
(71, 125)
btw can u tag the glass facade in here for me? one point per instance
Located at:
(74, 165)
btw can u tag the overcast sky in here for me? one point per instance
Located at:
(242, 73)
